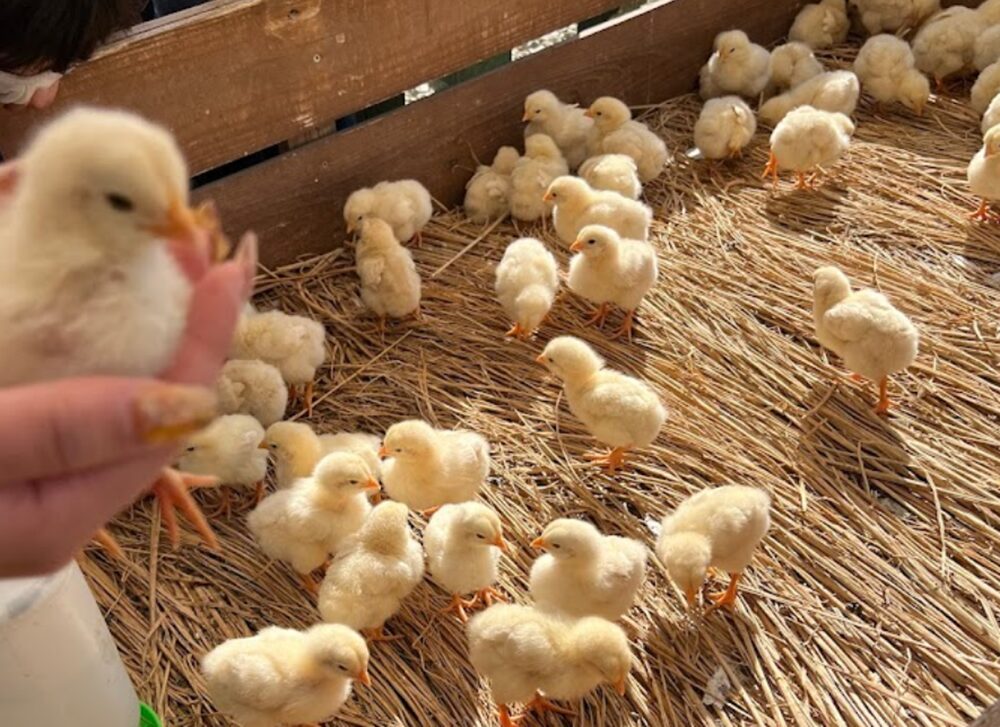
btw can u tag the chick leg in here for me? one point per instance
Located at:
(612, 461)
(378, 634)
(506, 720)
(309, 398)
(418, 238)
(308, 583)
(599, 316)
(458, 606)
(171, 491)
(488, 595)
(225, 504)
(883, 396)
(259, 493)
(107, 541)
(515, 331)
(626, 327)
(771, 170)
(727, 597)
(380, 325)
(541, 704)
(293, 392)
(801, 182)
(982, 213)
(857, 377)
(430, 511)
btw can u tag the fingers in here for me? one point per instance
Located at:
(193, 255)
(8, 178)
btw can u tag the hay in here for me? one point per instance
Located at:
(873, 601)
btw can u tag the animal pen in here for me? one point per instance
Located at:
(874, 598)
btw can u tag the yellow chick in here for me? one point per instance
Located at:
(805, 139)
(427, 467)
(463, 544)
(526, 282)
(487, 194)
(576, 205)
(724, 127)
(542, 162)
(247, 386)
(612, 173)
(366, 584)
(945, 45)
(716, 528)
(525, 653)
(991, 117)
(874, 339)
(283, 676)
(885, 67)
(390, 283)
(986, 50)
(833, 91)
(608, 269)
(405, 205)
(620, 411)
(821, 25)
(791, 64)
(306, 523)
(986, 87)
(565, 123)
(297, 449)
(617, 133)
(736, 67)
(228, 449)
(585, 573)
(988, 12)
(878, 16)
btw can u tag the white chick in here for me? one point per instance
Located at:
(428, 467)
(878, 16)
(885, 67)
(805, 139)
(526, 281)
(542, 162)
(736, 67)
(612, 173)
(390, 283)
(585, 573)
(715, 528)
(833, 91)
(988, 12)
(986, 87)
(308, 522)
(991, 117)
(229, 449)
(406, 205)
(297, 449)
(366, 584)
(525, 653)
(609, 269)
(565, 123)
(576, 205)
(618, 133)
(463, 544)
(791, 64)
(619, 411)
(283, 676)
(986, 51)
(946, 44)
(724, 127)
(247, 386)
(874, 338)
(821, 25)
(487, 194)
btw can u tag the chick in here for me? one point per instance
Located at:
(620, 411)
(833, 91)
(724, 126)
(946, 44)
(805, 139)
(878, 16)
(617, 133)
(284, 676)
(405, 205)
(463, 544)
(791, 64)
(526, 282)
(247, 386)
(874, 339)
(988, 12)
(428, 467)
(612, 173)
(885, 67)
(566, 124)
(525, 653)
(986, 50)
(577, 205)
(366, 584)
(715, 528)
(542, 162)
(736, 67)
(986, 87)
(390, 284)
(229, 449)
(306, 523)
(297, 449)
(991, 117)
(609, 269)
(487, 195)
(585, 573)
(821, 25)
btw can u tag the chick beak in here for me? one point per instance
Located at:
(620, 686)
(548, 197)
(501, 543)
(540, 358)
(692, 595)
(527, 116)
(589, 114)
(372, 485)
(350, 228)
(539, 543)
(364, 678)
(577, 246)
(179, 224)
(383, 452)
(262, 445)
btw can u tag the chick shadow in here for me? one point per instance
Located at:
(806, 210)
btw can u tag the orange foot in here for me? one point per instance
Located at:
(803, 182)
(516, 331)
(541, 704)
(728, 597)
(626, 327)
(487, 596)
(458, 606)
(430, 511)
(107, 541)
(599, 316)
(982, 213)
(612, 461)
(308, 398)
(171, 491)
(771, 169)
(378, 634)
(309, 584)
(883, 396)
(505, 718)
(418, 238)
(259, 492)
(225, 504)
(857, 377)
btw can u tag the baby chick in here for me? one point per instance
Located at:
(577, 205)
(946, 44)
(229, 449)
(585, 573)
(885, 67)
(724, 126)
(991, 117)
(366, 584)
(525, 653)
(822, 24)
(736, 67)
(879, 16)
(246, 386)
(526, 282)
(617, 133)
(986, 87)
(715, 528)
(405, 205)
(463, 544)
(297, 449)
(873, 338)
(986, 51)
(609, 269)
(833, 91)
(390, 284)
(284, 676)
(791, 64)
(613, 173)
(487, 194)
(805, 139)
(542, 162)
(428, 467)
(566, 124)
(618, 410)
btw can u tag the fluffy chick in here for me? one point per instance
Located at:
(833, 91)
(822, 24)
(577, 205)
(791, 64)
(805, 139)
(724, 126)
(885, 67)
(878, 16)
(297, 449)
(284, 676)
(874, 338)
(736, 67)
(366, 584)
(247, 386)
(487, 194)
(715, 528)
(526, 281)
(585, 573)
(612, 173)
(405, 205)
(619, 411)
(991, 117)
(542, 162)
(986, 50)
(390, 283)
(229, 449)
(566, 124)
(945, 45)
(617, 133)
(986, 87)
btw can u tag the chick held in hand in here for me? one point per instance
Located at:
(715, 528)
(566, 124)
(297, 449)
(542, 162)
(529, 656)
(286, 677)
(612, 173)
(736, 66)
(229, 450)
(586, 573)
(390, 284)
(405, 205)
(887, 71)
(247, 386)
(984, 175)
(805, 139)
(577, 205)
(526, 282)
(724, 127)
(619, 411)
(617, 133)
(487, 194)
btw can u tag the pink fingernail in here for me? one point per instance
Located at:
(169, 412)
(247, 257)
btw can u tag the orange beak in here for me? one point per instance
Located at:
(620, 686)
(364, 678)
(547, 197)
(501, 543)
(526, 116)
(577, 246)
(383, 452)
(589, 114)
(180, 223)
(540, 358)
(692, 596)
(539, 543)
(372, 485)
(262, 445)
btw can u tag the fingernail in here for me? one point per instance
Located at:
(169, 412)
(246, 256)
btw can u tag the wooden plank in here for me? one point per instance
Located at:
(235, 76)
(294, 202)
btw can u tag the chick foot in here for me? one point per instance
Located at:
(515, 331)
(430, 511)
(982, 213)
(771, 170)
(506, 720)
(599, 316)
(728, 597)
(487, 596)
(225, 505)
(858, 378)
(458, 606)
(625, 330)
(883, 397)
(803, 182)
(107, 542)
(171, 491)
(417, 239)
(308, 398)
(308, 583)
(376, 635)
(258, 493)
(541, 704)
(612, 461)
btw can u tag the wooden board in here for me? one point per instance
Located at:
(294, 202)
(232, 77)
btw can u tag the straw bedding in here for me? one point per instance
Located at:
(873, 601)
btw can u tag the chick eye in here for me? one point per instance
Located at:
(556, 546)
(341, 667)
(591, 241)
(354, 482)
(537, 111)
(119, 202)
(480, 536)
(599, 113)
(189, 449)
